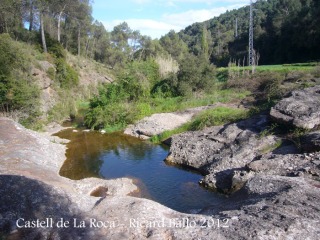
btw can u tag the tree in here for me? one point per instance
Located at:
(174, 45)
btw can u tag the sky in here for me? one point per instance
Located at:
(155, 18)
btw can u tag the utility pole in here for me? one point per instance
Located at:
(251, 51)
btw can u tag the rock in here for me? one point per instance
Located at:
(311, 142)
(301, 109)
(227, 181)
(28, 199)
(160, 122)
(31, 188)
(271, 207)
(266, 207)
(218, 151)
(287, 165)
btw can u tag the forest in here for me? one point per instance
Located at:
(150, 73)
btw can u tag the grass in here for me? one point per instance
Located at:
(158, 105)
(212, 117)
(272, 147)
(277, 68)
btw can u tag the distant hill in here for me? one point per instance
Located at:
(285, 31)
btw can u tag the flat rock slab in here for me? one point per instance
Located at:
(160, 122)
(301, 109)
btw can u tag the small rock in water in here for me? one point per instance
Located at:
(74, 130)
(103, 131)
(86, 130)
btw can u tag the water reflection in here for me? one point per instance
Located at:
(91, 154)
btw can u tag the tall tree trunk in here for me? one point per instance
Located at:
(79, 40)
(87, 47)
(31, 16)
(93, 48)
(43, 37)
(59, 22)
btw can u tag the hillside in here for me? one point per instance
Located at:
(37, 88)
(54, 67)
(284, 32)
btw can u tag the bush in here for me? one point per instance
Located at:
(113, 116)
(138, 78)
(65, 74)
(166, 88)
(17, 90)
(195, 74)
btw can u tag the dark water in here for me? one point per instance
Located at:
(91, 154)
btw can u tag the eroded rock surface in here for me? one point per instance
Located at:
(160, 122)
(301, 109)
(272, 207)
(275, 188)
(267, 207)
(219, 151)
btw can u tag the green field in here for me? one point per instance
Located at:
(276, 68)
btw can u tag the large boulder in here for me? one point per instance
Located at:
(301, 109)
(220, 151)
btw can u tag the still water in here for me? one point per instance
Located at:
(92, 154)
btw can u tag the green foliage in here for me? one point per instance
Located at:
(285, 32)
(270, 148)
(55, 48)
(17, 90)
(114, 116)
(115, 103)
(174, 45)
(217, 116)
(65, 108)
(166, 88)
(195, 75)
(138, 78)
(295, 134)
(65, 74)
(51, 72)
(167, 134)
(268, 131)
(208, 118)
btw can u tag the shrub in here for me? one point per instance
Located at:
(166, 88)
(195, 74)
(65, 74)
(17, 90)
(113, 116)
(51, 72)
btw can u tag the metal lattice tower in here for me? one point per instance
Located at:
(251, 51)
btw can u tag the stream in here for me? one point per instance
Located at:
(115, 155)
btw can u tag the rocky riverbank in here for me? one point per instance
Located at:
(276, 190)
(275, 182)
